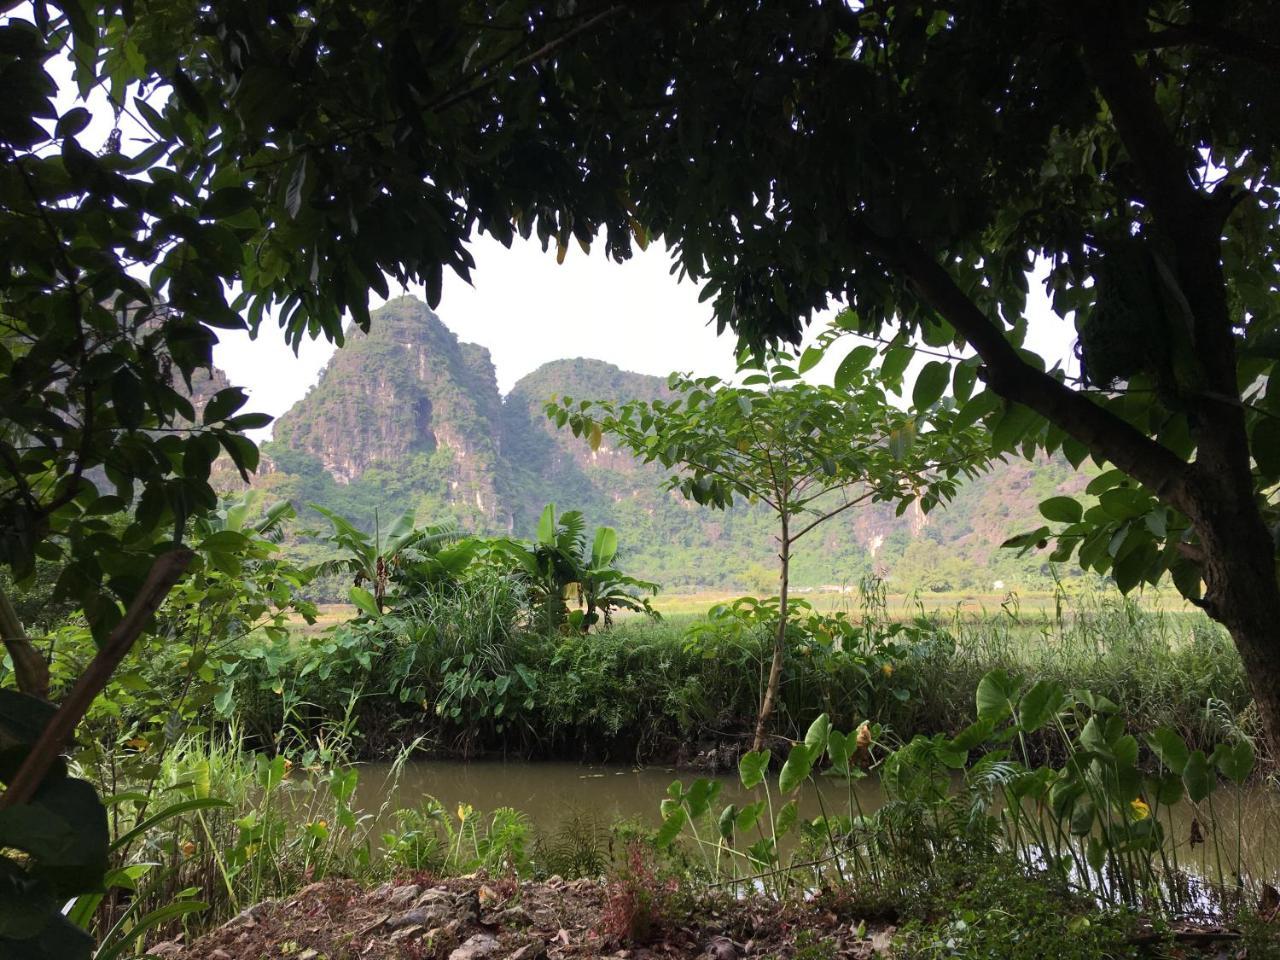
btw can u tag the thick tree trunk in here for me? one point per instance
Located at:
(770, 697)
(1242, 592)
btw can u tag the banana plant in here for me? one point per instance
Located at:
(603, 588)
(559, 568)
(379, 560)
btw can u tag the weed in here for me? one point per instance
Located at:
(639, 902)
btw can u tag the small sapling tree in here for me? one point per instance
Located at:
(808, 452)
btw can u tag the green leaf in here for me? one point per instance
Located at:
(786, 819)
(810, 359)
(227, 202)
(724, 825)
(752, 767)
(294, 193)
(975, 734)
(796, 770)
(1234, 760)
(1040, 704)
(168, 813)
(547, 525)
(1167, 744)
(1198, 776)
(223, 404)
(895, 363)
(605, 547)
(816, 736)
(702, 794)
(930, 384)
(852, 366)
(672, 824)
(996, 695)
(23, 717)
(1061, 510)
(748, 816)
(364, 601)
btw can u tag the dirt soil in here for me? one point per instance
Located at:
(473, 918)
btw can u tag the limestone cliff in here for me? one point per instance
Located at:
(406, 391)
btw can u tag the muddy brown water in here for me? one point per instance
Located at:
(555, 794)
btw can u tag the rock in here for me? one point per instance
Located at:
(488, 895)
(404, 933)
(534, 950)
(403, 896)
(514, 916)
(419, 917)
(882, 940)
(219, 954)
(309, 889)
(467, 906)
(383, 891)
(434, 895)
(478, 947)
(722, 948)
(250, 916)
(168, 948)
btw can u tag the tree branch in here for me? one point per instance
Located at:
(164, 574)
(827, 516)
(1104, 434)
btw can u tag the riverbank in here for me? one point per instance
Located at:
(685, 691)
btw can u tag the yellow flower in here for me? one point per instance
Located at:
(322, 824)
(137, 743)
(189, 848)
(1140, 809)
(887, 669)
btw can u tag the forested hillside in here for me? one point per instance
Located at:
(409, 417)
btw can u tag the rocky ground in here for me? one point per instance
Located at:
(472, 918)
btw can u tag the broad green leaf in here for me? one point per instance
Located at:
(786, 819)
(672, 824)
(930, 384)
(796, 769)
(605, 547)
(748, 816)
(726, 821)
(1061, 510)
(752, 768)
(1234, 760)
(852, 366)
(996, 695)
(364, 601)
(1040, 704)
(815, 737)
(1198, 776)
(1167, 744)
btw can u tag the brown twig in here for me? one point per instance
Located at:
(164, 574)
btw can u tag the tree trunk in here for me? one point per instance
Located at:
(770, 698)
(1242, 592)
(29, 669)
